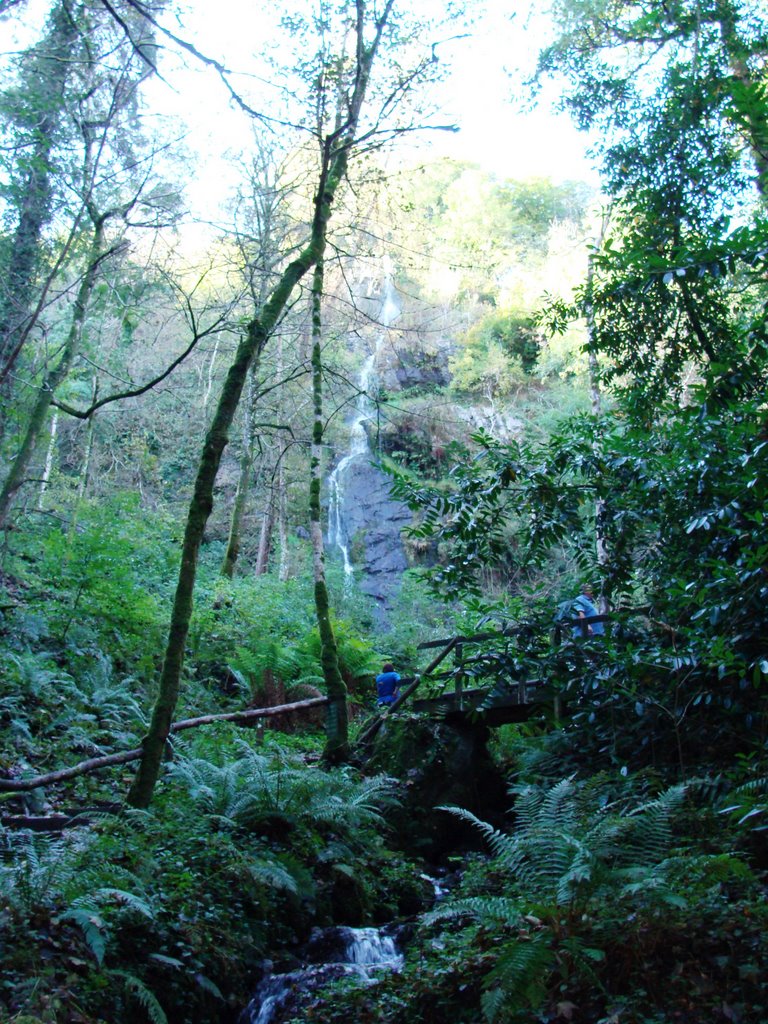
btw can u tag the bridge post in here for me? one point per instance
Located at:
(459, 679)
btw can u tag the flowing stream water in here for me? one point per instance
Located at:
(338, 530)
(362, 953)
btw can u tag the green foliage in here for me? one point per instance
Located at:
(477, 227)
(569, 852)
(581, 860)
(261, 786)
(492, 350)
(91, 913)
(172, 912)
(105, 586)
(139, 992)
(244, 628)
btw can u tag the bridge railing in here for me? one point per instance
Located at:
(564, 630)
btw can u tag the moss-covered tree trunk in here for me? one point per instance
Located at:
(17, 472)
(337, 728)
(243, 484)
(251, 345)
(335, 151)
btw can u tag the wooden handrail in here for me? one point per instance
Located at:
(374, 727)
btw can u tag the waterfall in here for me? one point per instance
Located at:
(359, 449)
(362, 953)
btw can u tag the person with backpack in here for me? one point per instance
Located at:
(583, 606)
(387, 686)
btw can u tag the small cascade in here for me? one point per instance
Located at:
(333, 953)
(360, 505)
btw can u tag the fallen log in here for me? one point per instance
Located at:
(95, 763)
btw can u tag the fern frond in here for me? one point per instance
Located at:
(271, 874)
(492, 1003)
(209, 986)
(143, 995)
(93, 927)
(488, 910)
(499, 842)
(520, 974)
(123, 900)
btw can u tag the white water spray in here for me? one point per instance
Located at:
(361, 953)
(358, 438)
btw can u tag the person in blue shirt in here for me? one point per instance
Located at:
(387, 686)
(584, 607)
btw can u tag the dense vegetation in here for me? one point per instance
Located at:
(567, 396)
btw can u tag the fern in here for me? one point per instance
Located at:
(245, 791)
(271, 874)
(488, 910)
(748, 804)
(36, 872)
(144, 996)
(90, 913)
(93, 927)
(519, 979)
(570, 848)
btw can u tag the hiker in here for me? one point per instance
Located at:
(584, 607)
(387, 686)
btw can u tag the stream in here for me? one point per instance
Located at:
(332, 953)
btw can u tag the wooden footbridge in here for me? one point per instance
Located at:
(508, 700)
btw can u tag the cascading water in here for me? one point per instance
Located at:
(338, 527)
(362, 953)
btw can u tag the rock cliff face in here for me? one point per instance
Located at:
(364, 522)
(372, 523)
(403, 367)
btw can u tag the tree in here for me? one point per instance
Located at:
(36, 109)
(111, 190)
(337, 730)
(346, 72)
(263, 235)
(675, 304)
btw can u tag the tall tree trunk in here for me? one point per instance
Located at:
(20, 464)
(282, 519)
(265, 536)
(48, 467)
(334, 160)
(243, 482)
(337, 719)
(85, 468)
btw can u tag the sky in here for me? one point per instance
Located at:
(485, 95)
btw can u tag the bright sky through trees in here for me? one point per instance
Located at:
(485, 94)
